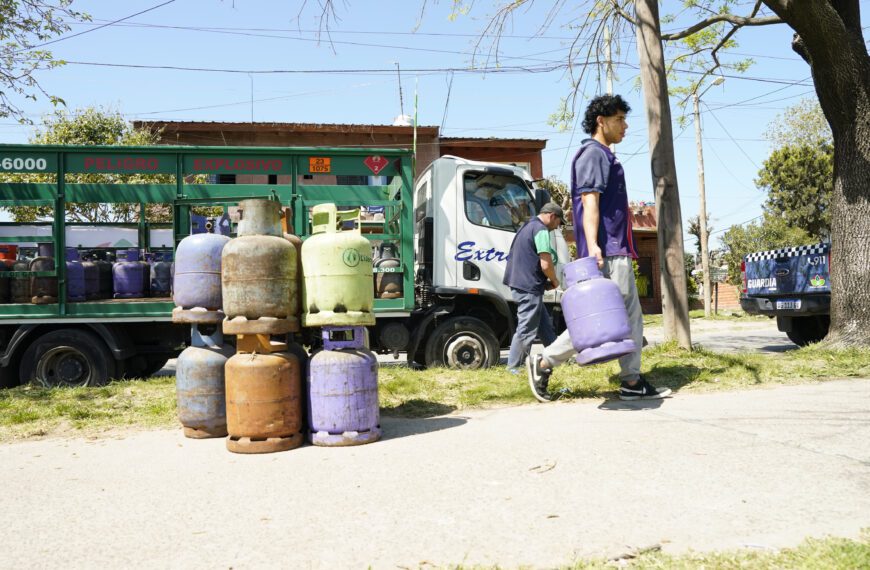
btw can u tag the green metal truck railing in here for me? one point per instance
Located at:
(63, 163)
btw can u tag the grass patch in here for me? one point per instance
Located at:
(812, 554)
(664, 365)
(27, 412)
(722, 315)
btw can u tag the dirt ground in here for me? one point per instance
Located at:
(534, 485)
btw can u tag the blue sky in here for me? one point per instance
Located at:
(356, 81)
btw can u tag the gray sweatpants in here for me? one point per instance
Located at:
(618, 269)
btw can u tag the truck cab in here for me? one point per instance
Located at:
(466, 215)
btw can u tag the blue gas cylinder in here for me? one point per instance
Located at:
(595, 314)
(129, 276)
(75, 276)
(199, 385)
(343, 390)
(161, 277)
(196, 284)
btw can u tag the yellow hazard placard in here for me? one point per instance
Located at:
(319, 164)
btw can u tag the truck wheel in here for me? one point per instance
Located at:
(67, 358)
(462, 342)
(808, 330)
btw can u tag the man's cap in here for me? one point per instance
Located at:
(553, 208)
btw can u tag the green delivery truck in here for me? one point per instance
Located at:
(449, 235)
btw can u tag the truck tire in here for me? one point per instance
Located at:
(464, 343)
(68, 358)
(808, 330)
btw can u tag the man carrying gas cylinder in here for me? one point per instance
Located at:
(602, 228)
(530, 270)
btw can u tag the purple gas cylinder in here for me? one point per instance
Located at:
(128, 276)
(161, 277)
(92, 277)
(343, 390)
(595, 314)
(75, 276)
(196, 283)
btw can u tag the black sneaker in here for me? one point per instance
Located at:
(643, 390)
(539, 378)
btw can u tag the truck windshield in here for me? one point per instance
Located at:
(497, 200)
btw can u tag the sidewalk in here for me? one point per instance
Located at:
(533, 485)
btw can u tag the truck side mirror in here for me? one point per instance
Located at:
(542, 196)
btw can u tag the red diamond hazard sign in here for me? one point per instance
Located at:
(376, 163)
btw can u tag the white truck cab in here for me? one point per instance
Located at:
(466, 215)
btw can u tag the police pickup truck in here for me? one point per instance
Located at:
(792, 284)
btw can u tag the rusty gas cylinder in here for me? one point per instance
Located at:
(258, 274)
(264, 405)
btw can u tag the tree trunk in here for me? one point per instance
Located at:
(675, 304)
(830, 39)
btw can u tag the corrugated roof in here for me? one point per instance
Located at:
(309, 127)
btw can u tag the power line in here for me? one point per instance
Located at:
(106, 25)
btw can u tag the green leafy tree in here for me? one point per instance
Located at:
(799, 181)
(771, 232)
(802, 124)
(92, 126)
(25, 27)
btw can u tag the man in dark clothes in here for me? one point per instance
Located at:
(602, 228)
(530, 270)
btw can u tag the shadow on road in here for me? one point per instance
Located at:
(395, 428)
(417, 416)
(620, 406)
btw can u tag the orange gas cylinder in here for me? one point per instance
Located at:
(264, 405)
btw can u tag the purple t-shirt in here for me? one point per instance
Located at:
(596, 169)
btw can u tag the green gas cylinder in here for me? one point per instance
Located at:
(337, 268)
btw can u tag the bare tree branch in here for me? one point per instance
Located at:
(738, 21)
(623, 13)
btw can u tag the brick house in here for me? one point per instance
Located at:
(430, 144)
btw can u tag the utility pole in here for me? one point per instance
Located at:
(702, 215)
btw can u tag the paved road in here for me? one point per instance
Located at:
(536, 485)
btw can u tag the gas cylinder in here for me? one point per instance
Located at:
(338, 272)
(258, 274)
(160, 275)
(92, 277)
(595, 314)
(43, 289)
(8, 253)
(196, 284)
(388, 284)
(199, 385)
(264, 410)
(128, 276)
(19, 289)
(4, 283)
(75, 276)
(104, 267)
(342, 388)
(146, 260)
